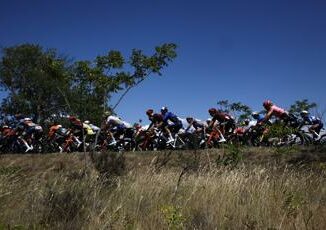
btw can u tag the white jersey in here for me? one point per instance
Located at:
(118, 121)
(94, 127)
(251, 124)
(144, 128)
(190, 128)
(183, 122)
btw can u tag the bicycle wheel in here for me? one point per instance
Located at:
(297, 139)
(322, 140)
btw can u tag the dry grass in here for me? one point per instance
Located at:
(55, 192)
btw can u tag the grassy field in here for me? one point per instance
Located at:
(227, 188)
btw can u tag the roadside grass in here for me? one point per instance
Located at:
(190, 191)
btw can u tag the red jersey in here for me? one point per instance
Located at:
(222, 117)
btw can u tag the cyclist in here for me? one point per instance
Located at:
(315, 122)
(53, 130)
(77, 129)
(258, 117)
(225, 120)
(116, 127)
(91, 126)
(155, 118)
(171, 123)
(273, 110)
(197, 125)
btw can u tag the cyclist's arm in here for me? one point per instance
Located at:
(211, 123)
(150, 126)
(160, 124)
(267, 117)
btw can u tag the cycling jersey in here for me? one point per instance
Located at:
(88, 128)
(113, 120)
(53, 130)
(222, 117)
(197, 124)
(94, 127)
(171, 117)
(156, 118)
(259, 118)
(312, 120)
(75, 123)
(277, 111)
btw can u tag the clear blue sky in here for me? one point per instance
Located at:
(240, 50)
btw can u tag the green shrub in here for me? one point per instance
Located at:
(232, 156)
(173, 217)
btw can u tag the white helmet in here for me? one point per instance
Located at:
(304, 112)
(164, 109)
(86, 122)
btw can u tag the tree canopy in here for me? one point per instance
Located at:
(41, 83)
(300, 105)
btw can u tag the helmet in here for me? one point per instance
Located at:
(72, 118)
(246, 121)
(106, 113)
(189, 119)
(149, 112)
(164, 109)
(267, 104)
(27, 119)
(304, 112)
(19, 116)
(86, 122)
(254, 114)
(212, 111)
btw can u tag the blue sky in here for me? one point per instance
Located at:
(239, 50)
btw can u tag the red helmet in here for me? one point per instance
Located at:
(212, 111)
(267, 104)
(149, 112)
(72, 118)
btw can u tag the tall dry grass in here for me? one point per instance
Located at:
(246, 197)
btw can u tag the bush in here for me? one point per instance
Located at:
(232, 156)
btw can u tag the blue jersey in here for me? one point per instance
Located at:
(171, 117)
(259, 118)
(312, 120)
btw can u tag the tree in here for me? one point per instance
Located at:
(39, 83)
(95, 82)
(31, 77)
(300, 105)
